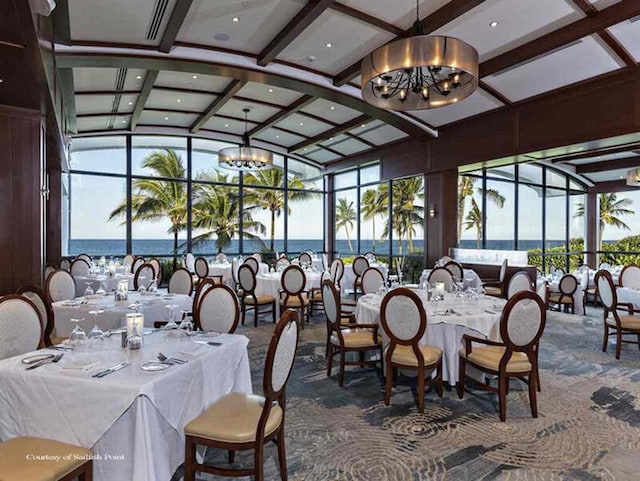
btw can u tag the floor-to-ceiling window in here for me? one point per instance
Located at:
(155, 195)
(618, 227)
(524, 207)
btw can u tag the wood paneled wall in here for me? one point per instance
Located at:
(21, 204)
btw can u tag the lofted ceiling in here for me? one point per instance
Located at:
(191, 66)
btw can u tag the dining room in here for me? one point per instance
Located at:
(319, 240)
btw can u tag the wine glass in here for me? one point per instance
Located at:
(187, 323)
(77, 335)
(141, 288)
(153, 287)
(171, 325)
(88, 291)
(96, 332)
(101, 290)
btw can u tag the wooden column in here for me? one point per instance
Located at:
(442, 196)
(22, 206)
(592, 243)
(329, 221)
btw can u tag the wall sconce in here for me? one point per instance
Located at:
(432, 211)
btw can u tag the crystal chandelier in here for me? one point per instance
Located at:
(245, 157)
(420, 71)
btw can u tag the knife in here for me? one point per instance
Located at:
(115, 368)
(49, 360)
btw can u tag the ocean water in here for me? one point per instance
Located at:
(163, 247)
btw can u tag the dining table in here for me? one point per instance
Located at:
(224, 269)
(132, 419)
(447, 321)
(629, 295)
(154, 307)
(108, 283)
(470, 278)
(554, 288)
(348, 278)
(270, 284)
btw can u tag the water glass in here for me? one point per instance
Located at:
(77, 336)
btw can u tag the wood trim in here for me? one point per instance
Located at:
(147, 86)
(305, 17)
(607, 165)
(107, 92)
(330, 133)
(68, 98)
(174, 25)
(439, 18)
(366, 18)
(594, 153)
(573, 32)
(610, 186)
(494, 93)
(232, 89)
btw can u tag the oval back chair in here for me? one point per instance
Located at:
(65, 263)
(60, 286)
(202, 267)
(181, 282)
(85, 257)
(440, 274)
(281, 263)
(520, 281)
(455, 268)
(337, 271)
(189, 262)
(20, 326)
(217, 310)
(157, 267)
(137, 262)
(128, 260)
(40, 299)
(372, 280)
(630, 277)
(305, 259)
(144, 276)
(80, 267)
(253, 263)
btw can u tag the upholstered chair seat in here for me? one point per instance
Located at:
(404, 355)
(493, 291)
(259, 299)
(626, 321)
(357, 338)
(489, 357)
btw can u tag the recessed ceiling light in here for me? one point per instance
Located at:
(330, 138)
(332, 107)
(1, 80)
(226, 125)
(270, 91)
(130, 103)
(166, 118)
(178, 100)
(363, 126)
(301, 124)
(139, 77)
(194, 76)
(311, 58)
(235, 19)
(328, 45)
(277, 136)
(493, 24)
(124, 121)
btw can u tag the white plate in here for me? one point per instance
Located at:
(153, 366)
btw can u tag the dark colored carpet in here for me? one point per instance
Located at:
(588, 426)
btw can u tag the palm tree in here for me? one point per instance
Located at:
(272, 199)
(217, 208)
(345, 218)
(611, 209)
(406, 214)
(474, 219)
(372, 206)
(155, 200)
(466, 189)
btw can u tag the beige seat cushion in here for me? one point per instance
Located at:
(295, 302)
(404, 355)
(493, 291)
(356, 338)
(15, 466)
(555, 299)
(490, 356)
(628, 322)
(262, 299)
(317, 297)
(234, 419)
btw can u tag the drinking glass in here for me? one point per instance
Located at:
(96, 332)
(101, 290)
(88, 291)
(187, 323)
(153, 287)
(77, 335)
(141, 289)
(171, 325)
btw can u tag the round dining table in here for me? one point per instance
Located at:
(270, 284)
(447, 321)
(109, 284)
(152, 305)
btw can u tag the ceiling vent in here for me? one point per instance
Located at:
(159, 10)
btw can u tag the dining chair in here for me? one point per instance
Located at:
(440, 274)
(293, 294)
(519, 282)
(201, 267)
(157, 268)
(249, 299)
(281, 262)
(345, 335)
(455, 268)
(60, 286)
(144, 276)
(41, 300)
(620, 324)
(543, 292)
(630, 277)
(315, 295)
(181, 282)
(495, 287)
(325, 262)
(305, 259)
(217, 310)
(80, 267)
(337, 272)
(128, 260)
(189, 262)
(137, 262)
(257, 256)
(253, 263)
(50, 267)
(372, 280)
(38, 459)
(85, 257)
(65, 263)
(521, 325)
(235, 265)
(404, 321)
(221, 258)
(584, 287)
(21, 328)
(567, 286)
(241, 421)
(360, 264)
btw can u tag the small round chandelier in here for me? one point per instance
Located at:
(245, 157)
(633, 178)
(420, 71)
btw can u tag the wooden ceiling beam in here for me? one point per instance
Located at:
(608, 165)
(147, 86)
(330, 133)
(310, 12)
(69, 101)
(287, 111)
(232, 89)
(595, 153)
(573, 32)
(439, 18)
(176, 20)
(106, 92)
(366, 18)
(494, 93)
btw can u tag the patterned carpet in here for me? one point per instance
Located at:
(588, 426)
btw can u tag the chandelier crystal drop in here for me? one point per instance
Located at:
(420, 71)
(245, 157)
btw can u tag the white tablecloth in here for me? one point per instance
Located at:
(136, 417)
(153, 307)
(109, 283)
(349, 277)
(470, 278)
(578, 305)
(626, 295)
(223, 270)
(269, 284)
(614, 271)
(446, 331)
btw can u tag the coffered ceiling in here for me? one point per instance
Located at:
(192, 66)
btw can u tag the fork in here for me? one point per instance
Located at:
(55, 358)
(170, 360)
